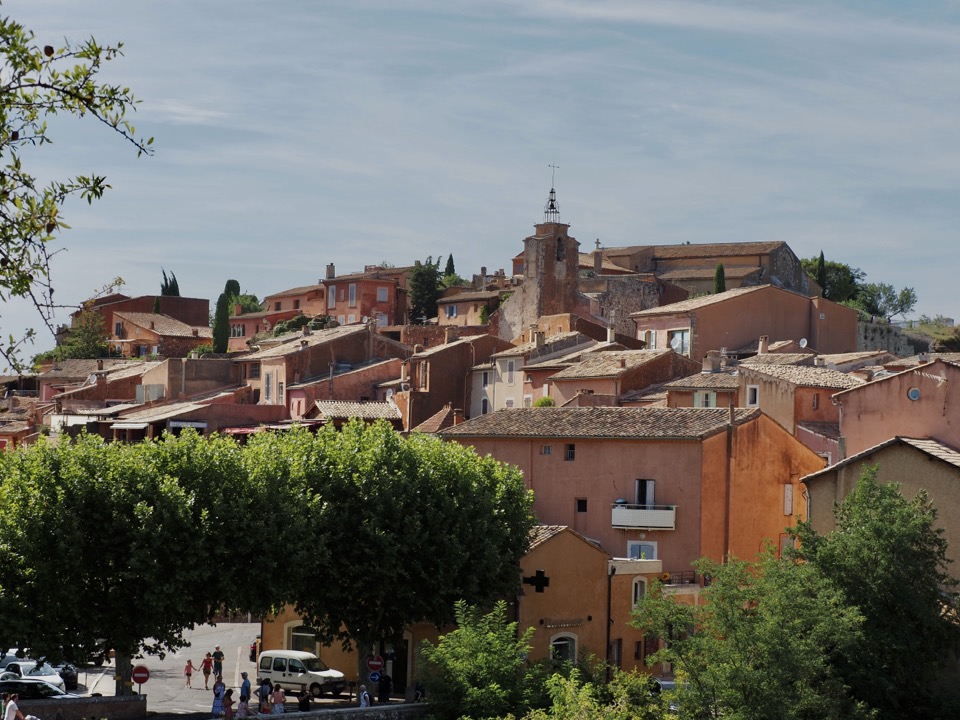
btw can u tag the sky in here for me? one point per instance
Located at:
(295, 133)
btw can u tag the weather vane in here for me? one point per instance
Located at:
(551, 211)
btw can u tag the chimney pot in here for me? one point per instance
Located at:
(764, 344)
(539, 338)
(623, 362)
(611, 334)
(711, 362)
(99, 364)
(331, 271)
(457, 416)
(449, 334)
(306, 330)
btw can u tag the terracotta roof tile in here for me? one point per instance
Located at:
(702, 250)
(331, 409)
(734, 272)
(608, 364)
(697, 303)
(804, 376)
(165, 325)
(303, 290)
(928, 446)
(724, 380)
(539, 534)
(291, 343)
(602, 422)
(554, 343)
(438, 421)
(780, 359)
(77, 369)
(831, 431)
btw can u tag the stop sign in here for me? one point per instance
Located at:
(374, 663)
(140, 674)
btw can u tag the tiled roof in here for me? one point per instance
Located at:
(653, 395)
(539, 534)
(383, 275)
(77, 369)
(331, 409)
(725, 380)
(160, 412)
(927, 446)
(773, 346)
(734, 272)
(13, 427)
(608, 364)
(830, 431)
(554, 343)
(803, 376)
(602, 422)
(774, 358)
(841, 358)
(586, 262)
(697, 303)
(915, 360)
(293, 291)
(165, 325)
(704, 250)
(473, 295)
(121, 372)
(438, 421)
(292, 344)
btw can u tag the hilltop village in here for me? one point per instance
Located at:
(656, 421)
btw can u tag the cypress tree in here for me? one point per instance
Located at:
(221, 324)
(719, 280)
(822, 275)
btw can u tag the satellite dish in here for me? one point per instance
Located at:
(389, 393)
(675, 342)
(803, 342)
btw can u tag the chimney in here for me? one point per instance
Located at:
(764, 344)
(711, 362)
(923, 357)
(237, 309)
(331, 271)
(819, 361)
(417, 349)
(457, 416)
(196, 332)
(533, 332)
(623, 362)
(611, 334)
(449, 334)
(151, 325)
(99, 364)
(306, 330)
(539, 338)
(597, 262)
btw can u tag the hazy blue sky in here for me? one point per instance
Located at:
(294, 133)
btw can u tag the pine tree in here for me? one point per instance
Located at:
(450, 269)
(719, 280)
(169, 286)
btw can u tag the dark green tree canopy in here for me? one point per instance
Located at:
(169, 286)
(39, 82)
(719, 280)
(424, 290)
(840, 283)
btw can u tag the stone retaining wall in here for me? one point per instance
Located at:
(114, 708)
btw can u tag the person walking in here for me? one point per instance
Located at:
(277, 698)
(188, 672)
(266, 688)
(218, 690)
(217, 661)
(303, 700)
(244, 689)
(364, 696)
(206, 665)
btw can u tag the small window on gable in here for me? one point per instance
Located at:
(571, 452)
(581, 505)
(277, 305)
(753, 395)
(381, 294)
(546, 449)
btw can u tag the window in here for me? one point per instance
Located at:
(581, 505)
(816, 400)
(279, 664)
(561, 249)
(639, 589)
(788, 500)
(650, 338)
(753, 395)
(341, 319)
(332, 297)
(351, 318)
(511, 365)
(280, 393)
(641, 550)
(645, 492)
(352, 287)
(277, 305)
(546, 449)
(381, 294)
(528, 400)
(451, 310)
(486, 378)
(118, 329)
(484, 406)
(571, 452)
(616, 652)
(296, 304)
(509, 403)
(564, 647)
(267, 386)
(704, 399)
(303, 637)
(679, 340)
(255, 370)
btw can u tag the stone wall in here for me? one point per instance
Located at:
(115, 708)
(881, 336)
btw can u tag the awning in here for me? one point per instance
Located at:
(129, 426)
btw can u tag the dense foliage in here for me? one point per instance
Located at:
(844, 284)
(109, 544)
(38, 82)
(425, 284)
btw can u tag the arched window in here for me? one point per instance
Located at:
(564, 647)
(639, 589)
(561, 249)
(484, 406)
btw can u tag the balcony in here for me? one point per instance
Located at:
(643, 517)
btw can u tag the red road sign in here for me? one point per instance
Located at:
(140, 674)
(374, 663)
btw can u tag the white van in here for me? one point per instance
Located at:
(298, 669)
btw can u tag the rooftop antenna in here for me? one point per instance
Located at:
(551, 211)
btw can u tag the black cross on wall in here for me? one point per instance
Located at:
(539, 580)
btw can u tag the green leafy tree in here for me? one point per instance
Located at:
(884, 301)
(719, 280)
(127, 516)
(888, 556)
(478, 670)
(545, 401)
(169, 286)
(762, 644)
(87, 338)
(628, 696)
(840, 283)
(378, 500)
(39, 81)
(424, 290)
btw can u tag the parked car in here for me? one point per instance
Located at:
(30, 688)
(27, 668)
(298, 669)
